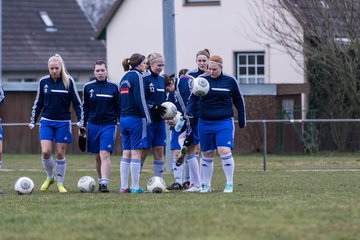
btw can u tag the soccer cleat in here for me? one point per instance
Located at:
(2, 192)
(206, 189)
(175, 186)
(193, 189)
(46, 184)
(61, 188)
(104, 188)
(229, 188)
(181, 158)
(186, 185)
(124, 190)
(139, 190)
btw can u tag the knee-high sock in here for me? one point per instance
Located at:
(177, 172)
(194, 170)
(48, 166)
(135, 166)
(124, 172)
(158, 168)
(228, 167)
(186, 172)
(60, 170)
(206, 169)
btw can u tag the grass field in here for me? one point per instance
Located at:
(299, 197)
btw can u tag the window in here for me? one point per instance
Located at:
(50, 27)
(250, 67)
(21, 79)
(201, 2)
(288, 108)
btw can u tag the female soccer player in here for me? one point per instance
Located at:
(55, 94)
(178, 93)
(155, 96)
(216, 125)
(134, 119)
(193, 150)
(101, 113)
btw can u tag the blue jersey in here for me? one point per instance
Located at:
(193, 107)
(181, 96)
(132, 96)
(223, 93)
(154, 92)
(54, 100)
(101, 102)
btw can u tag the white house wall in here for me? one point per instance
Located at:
(137, 27)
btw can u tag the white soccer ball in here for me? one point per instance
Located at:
(24, 186)
(171, 110)
(156, 185)
(86, 184)
(200, 86)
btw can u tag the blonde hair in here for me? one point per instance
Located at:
(152, 57)
(64, 74)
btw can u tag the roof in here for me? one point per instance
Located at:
(27, 45)
(101, 31)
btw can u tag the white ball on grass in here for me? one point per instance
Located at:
(24, 186)
(86, 184)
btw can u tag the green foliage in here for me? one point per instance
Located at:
(283, 203)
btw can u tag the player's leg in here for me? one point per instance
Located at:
(63, 136)
(107, 142)
(159, 143)
(225, 143)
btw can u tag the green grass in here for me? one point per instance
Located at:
(278, 204)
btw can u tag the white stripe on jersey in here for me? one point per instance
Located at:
(104, 95)
(221, 89)
(59, 91)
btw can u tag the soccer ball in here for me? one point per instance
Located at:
(171, 110)
(156, 185)
(86, 184)
(200, 86)
(24, 186)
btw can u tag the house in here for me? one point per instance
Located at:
(35, 30)
(270, 79)
(32, 32)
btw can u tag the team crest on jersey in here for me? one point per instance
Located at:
(46, 87)
(91, 92)
(124, 90)
(124, 87)
(151, 87)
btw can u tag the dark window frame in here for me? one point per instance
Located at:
(255, 77)
(202, 3)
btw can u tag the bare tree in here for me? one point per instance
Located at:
(326, 33)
